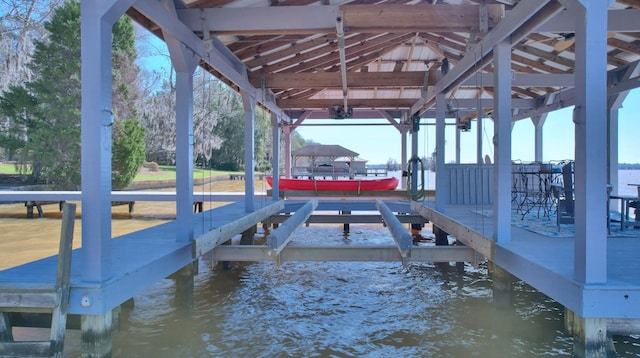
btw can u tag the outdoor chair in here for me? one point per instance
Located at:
(563, 194)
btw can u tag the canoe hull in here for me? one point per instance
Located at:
(337, 185)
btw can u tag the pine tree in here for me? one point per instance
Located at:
(52, 127)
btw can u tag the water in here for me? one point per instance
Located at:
(346, 310)
(314, 309)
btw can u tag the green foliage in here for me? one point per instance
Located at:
(262, 153)
(230, 127)
(47, 110)
(128, 152)
(18, 105)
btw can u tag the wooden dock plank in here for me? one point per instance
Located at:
(136, 261)
(547, 263)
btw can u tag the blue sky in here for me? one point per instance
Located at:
(378, 144)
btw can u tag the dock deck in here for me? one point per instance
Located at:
(547, 263)
(136, 260)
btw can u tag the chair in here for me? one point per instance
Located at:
(563, 194)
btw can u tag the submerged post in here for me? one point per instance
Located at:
(590, 337)
(96, 335)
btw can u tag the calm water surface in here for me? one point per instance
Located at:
(317, 309)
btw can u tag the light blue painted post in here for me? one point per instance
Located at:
(275, 160)
(502, 142)
(612, 146)
(96, 124)
(184, 61)
(590, 117)
(403, 156)
(442, 177)
(414, 154)
(457, 146)
(287, 152)
(479, 132)
(249, 104)
(538, 125)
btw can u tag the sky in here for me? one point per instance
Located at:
(378, 144)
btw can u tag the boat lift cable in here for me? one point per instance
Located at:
(416, 164)
(343, 59)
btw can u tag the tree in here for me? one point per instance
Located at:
(21, 24)
(230, 127)
(128, 155)
(52, 139)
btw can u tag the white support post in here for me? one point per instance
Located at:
(590, 117)
(249, 104)
(275, 157)
(96, 121)
(457, 146)
(502, 142)
(184, 61)
(479, 130)
(614, 103)
(403, 156)
(442, 177)
(612, 146)
(538, 125)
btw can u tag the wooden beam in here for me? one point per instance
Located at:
(321, 19)
(416, 18)
(344, 253)
(217, 236)
(471, 238)
(401, 236)
(332, 79)
(354, 102)
(278, 238)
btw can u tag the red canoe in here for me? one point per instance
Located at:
(344, 185)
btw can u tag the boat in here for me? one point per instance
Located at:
(338, 184)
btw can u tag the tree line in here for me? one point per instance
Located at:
(40, 102)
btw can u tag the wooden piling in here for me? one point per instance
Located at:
(502, 287)
(96, 340)
(6, 334)
(184, 287)
(590, 336)
(247, 236)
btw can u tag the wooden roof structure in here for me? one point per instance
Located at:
(389, 56)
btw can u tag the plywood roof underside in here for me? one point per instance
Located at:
(393, 49)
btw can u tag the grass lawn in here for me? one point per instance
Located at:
(166, 172)
(8, 168)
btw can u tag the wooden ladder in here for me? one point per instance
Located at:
(40, 298)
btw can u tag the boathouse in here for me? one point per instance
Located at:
(447, 64)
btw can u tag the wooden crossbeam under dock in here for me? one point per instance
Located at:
(348, 219)
(344, 253)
